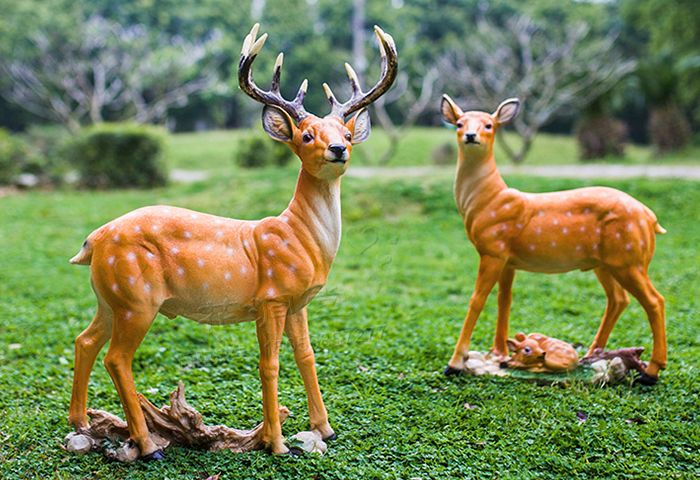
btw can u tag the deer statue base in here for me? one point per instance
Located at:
(175, 424)
(602, 368)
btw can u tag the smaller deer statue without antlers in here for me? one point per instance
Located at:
(218, 270)
(597, 228)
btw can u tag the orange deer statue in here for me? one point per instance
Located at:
(218, 270)
(596, 228)
(539, 353)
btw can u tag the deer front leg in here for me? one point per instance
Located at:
(505, 296)
(297, 330)
(490, 269)
(269, 328)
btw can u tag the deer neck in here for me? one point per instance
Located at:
(477, 182)
(315, 211)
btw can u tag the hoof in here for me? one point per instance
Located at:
(646, 380)
(449, 371)
(330, 437)
(154, 456)
(504, 364)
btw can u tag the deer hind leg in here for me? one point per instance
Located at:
(505, 297)
(128, 330)
(87, 345)
(617, 302)
(269, 328)
(637, 282)
(297, 330)
(489, 272)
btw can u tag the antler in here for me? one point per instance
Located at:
(250, 50)
(360, 99)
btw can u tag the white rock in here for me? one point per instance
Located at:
(125, 453)
(310, 442)
(474, 363)
(78, 443)
(475, 355)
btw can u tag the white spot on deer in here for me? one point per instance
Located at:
(116, 237)
(553, 243)
(618, 235)
(630, 227)
(518, 226)
(568, 213)
(115, 287)
(188, 234)
(246, 243)
(155, 228)
(582, 229)
(531, 247)
(180, 271)
(586, 210)
(270, 292)
(128, 314)
(270, 253)
(565, 230)
(555, 221)
(229, 251)
(131, 256)
(641, 243)
(595, 246)
(218, 221)
(292, 268)
(174, 250)
(641, 222)
(501, 245)
(285, 242)
(507, 206)
(227, 276)
(269, 272)
(540, 213)
(579, 248)
(110, 260)
(132, 280)
(492, 213)
(264, 236)
(628, 246)
(244, 270)
(112, 227)
(219, 234)
(597, 230)
(147, 287)
(200, 262)
(208, 248)
(137, 228)
(150, 255)
(284, 218)
(538, 230)
(193, 216)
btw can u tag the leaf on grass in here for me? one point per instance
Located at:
(636, 421)
(213, 477)
(469, 406)
(582, 416)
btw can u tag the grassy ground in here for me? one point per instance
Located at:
(215, 150)
(383, 330)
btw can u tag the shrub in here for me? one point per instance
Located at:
(13, 154)
(256, 151)
(600, 136)
(46, 147)
(444, 154)
(112, 155)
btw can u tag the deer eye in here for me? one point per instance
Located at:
(460, 124)
(348, 137)
(307, 137)
(527, 350)
(489, 126)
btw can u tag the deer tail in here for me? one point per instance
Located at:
(84, 256)
(659, 229)
(652, 216)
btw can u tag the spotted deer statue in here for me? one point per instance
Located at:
(540, 353)
(219, 270)
(596, 228)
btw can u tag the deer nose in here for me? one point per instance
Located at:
(470, 137)
(337, 149)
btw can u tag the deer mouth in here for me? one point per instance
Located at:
(471, 142)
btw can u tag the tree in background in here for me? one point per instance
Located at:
(107, 70)
(549, 74)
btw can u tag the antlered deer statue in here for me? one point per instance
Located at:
(599, 229)
(218, 270)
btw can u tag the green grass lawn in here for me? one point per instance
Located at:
(383, 329)
(215, 150)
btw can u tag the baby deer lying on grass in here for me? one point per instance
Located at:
(596, 228)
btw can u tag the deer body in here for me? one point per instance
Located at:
(217, 270)
(595, 228)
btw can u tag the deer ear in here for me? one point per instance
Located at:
(360, 126)
(450, 111)
(277, 123)
(512, 345)
(507, 110)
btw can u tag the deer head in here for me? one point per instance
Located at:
(476, 130)
(526, 351)
(323, 144)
